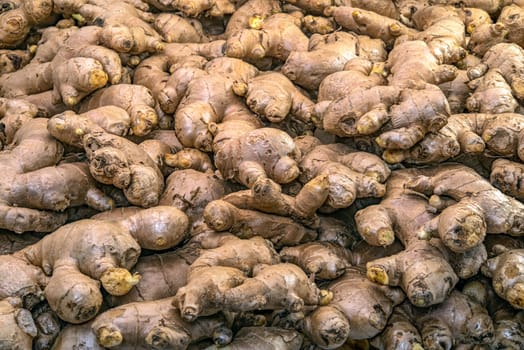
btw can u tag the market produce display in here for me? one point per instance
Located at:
(262, 174)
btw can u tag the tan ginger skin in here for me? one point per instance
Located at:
(359, 310)
(476, 208)
(77, 270)
(135, 99)
(155, 324)
(507, 280)
(471, 133)
(379, 224)
(277, 36)
(273, 287)
(114, 160)
(29, 170)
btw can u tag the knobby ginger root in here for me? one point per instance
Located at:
(21, 280)
(162, 275)
(266, 196)
(135, 99)
(472, 133)
(321, 260)
(477, 207)
(368, 22)
(102, 252)
(274, 96)
(349, 174)
(114, 160)
(507, 273)
(512, 18)
(76, 336)
(190, 191)
(506, 176)
(328, 54)
(276, 36)
(157, 325)
(400, 332)
(18, 327)
(125, 28)
(170, 225)
(359, 310)
(16, 22)
(263, 338)
(176, 29)
(492, 94)
(459, 319)
(207, 99)
(12, 60)
(508, 59)
(403, 115)
(36, 191)
(243, 254)
(401, 213)
(249, 13)
(261, 153)
(190, 158)
(358, 73)
(220, 215)
(278, 286)
(203, 295)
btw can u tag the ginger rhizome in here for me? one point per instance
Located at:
(113, 160)
(102, 252)
(470, 134)
(36, 190)
(359, 310)
(126, 326)
(380, 224)
(474, 207)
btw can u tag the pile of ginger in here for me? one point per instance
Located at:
(262, 174)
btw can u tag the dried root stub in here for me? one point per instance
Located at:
(155, 325)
